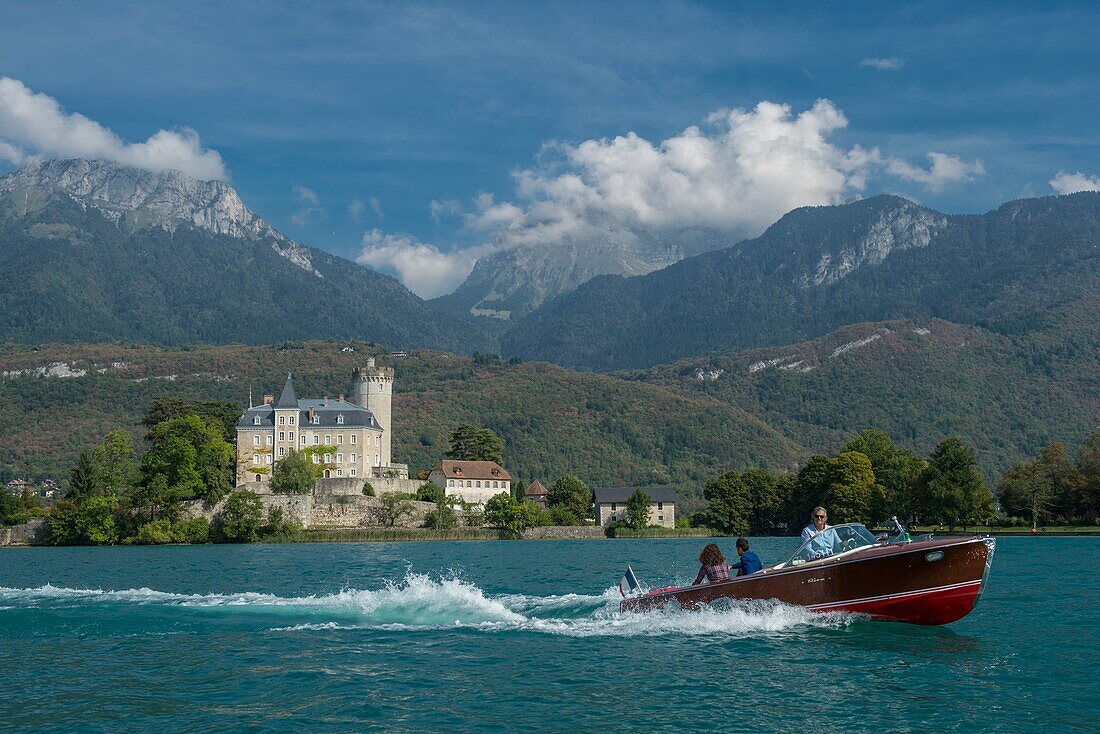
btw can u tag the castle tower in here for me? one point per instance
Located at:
(372, 388)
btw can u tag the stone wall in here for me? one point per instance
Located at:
(31, 532)
(355, 511)
(565, 532)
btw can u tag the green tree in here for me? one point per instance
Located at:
(503, 512)
(115, 468)
(729, 504)
(223, 415)
(82, 479)
(443, 517)
(1024, 491)
(519, 487)
(192, 456)
(293, 474)
(637, 510)
(572, 494)
(470, 443)
(1088, 463)
(88, 522)
(430, 492)
(895, 469)
(241, 517)
(1066, 482)
(806, 491)
(951, 488)
(851, 494)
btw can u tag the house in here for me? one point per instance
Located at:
(536, 493)
(611, 504)
(474, 481)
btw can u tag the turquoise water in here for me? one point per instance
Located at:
(518, 636)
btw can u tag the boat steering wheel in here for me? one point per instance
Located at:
(850, 544)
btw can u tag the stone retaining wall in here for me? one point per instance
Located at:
(564, 532)
(31, 532)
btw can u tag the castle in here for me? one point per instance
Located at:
(350, 439)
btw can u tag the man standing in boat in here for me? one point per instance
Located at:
(821, 533)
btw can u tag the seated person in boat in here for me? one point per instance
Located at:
(825, 539)
(714, 566)
(749, 563)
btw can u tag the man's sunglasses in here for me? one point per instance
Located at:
(819, 517)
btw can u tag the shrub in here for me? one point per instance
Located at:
(441, 518)
(196, 530)
(294, 474)
(430, 492)
(561, 515)
(158, 532)
(368, 489)
(241, 516)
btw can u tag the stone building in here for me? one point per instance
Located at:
(350, 439)
(536, 493)
(611, 504)
(474, 481)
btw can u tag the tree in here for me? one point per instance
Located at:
(1066, 482)
(519, 489)
(1024, 490)
(115, 470)
(293, 474)
(572, 494)
(82, 478)
(851, 494)
(951, 488)
(469, 443)
(1088, 463)
(729, 504)
(241, 517)
(503, 512)
(223, 415)
(895, 470)
(393, 509)
(192, 456)
(637, 510)
(88, 522)
(430, 492)
(443, 517)
(806, 491)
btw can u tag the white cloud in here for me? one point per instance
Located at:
(35, 125)
(946, 169)
(757, 165)
(309, 206)
(1068, 183)
(893, 63)
(700, 188)
(376, 205)
(423, 268)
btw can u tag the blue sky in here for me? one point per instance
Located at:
(313, 107)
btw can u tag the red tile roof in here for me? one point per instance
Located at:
(535, 490)
(472, 470)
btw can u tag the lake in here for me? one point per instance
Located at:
(519, 636)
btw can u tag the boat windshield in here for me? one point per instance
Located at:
(831, 541)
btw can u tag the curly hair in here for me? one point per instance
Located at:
(711, 555)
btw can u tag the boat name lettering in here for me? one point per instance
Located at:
(814, 581)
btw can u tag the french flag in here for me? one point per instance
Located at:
(628, 584)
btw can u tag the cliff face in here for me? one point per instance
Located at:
(134, 198)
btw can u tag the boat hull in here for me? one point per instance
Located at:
(926, 582)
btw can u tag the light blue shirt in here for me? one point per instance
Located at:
(823, 542)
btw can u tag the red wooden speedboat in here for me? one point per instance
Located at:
(847, 569)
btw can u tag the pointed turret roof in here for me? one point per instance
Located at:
(288, 399)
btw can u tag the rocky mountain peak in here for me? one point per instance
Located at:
(166, 199)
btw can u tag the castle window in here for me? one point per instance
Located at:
(316, 419)
(291, 420)
(328, 458)
(303, 439)
(270, 439)
(353, 458)
(282, 420)
(340, 438)
(479, 484)
(613, 508)
(339, 458)
(255, 458)
(259, 478)
(292, 436)
(316, 460)
(256, 440)
(353, 472)
(661, 506)
(340, 419)
(339, 472)
(353, 438)
(328, 440)
(282, 435)
(256, 421)
(282, 451)
(316, 440)
(268, 458)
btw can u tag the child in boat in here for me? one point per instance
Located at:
(749, 563)
(714, 566)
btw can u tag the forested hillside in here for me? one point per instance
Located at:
(820, 268)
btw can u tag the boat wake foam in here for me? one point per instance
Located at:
(420, 602)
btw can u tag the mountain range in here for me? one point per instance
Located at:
(97, 251)
(820, 268)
